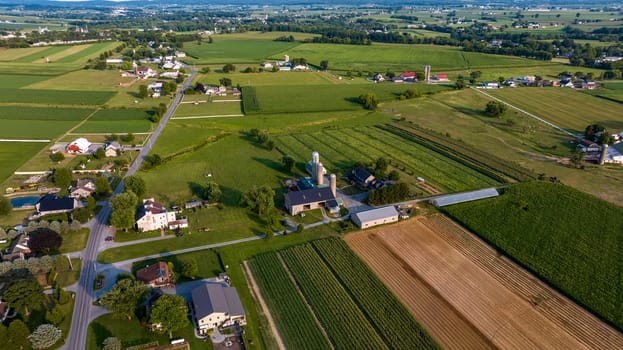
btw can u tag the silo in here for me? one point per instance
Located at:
(604, 153)
(315, 161)
(333, 184)
(427, 73)
(319, 175)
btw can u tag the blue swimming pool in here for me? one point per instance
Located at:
(19, 202)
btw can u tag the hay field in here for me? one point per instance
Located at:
(474, 297)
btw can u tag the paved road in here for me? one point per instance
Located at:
(83, 307)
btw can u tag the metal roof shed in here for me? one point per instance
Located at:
(457, 198)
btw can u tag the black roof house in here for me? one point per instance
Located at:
(53, 203)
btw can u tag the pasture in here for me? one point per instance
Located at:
(8, 55)
(119, 121)
(17, 122)
(567, 108)
(575, 250)
(19, 81)
(83, 80)
(469, 289)
(14, 154)
(341, 148)
(344, 295)
(398, 57)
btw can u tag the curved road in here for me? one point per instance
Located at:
(84, 295)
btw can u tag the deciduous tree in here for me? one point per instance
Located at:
(62, 179)
(495, 109)
(135, 184)
(369, 100)
(23, 294)
(45, 336)
(102, 186)
(123, 208)
(124, 297)
(190, 268)
(259, 199)
(5, 206)
(169, 313)
(112, 343)
(18, 333)
(213, 191)
(44, 241)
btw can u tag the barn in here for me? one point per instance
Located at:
(374, 217)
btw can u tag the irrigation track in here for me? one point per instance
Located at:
(565, 131)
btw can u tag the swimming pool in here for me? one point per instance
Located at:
(28, 201)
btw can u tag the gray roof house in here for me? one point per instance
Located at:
(216, 305)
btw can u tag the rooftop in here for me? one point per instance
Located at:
(311, 195)
(377, 213)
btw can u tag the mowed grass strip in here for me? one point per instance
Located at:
(54, 97)
(87, 51)
(38, 55)
(8, 55)
(18, 81)
(14, 154)
(294, 320)
(567, 108)
(570, 239)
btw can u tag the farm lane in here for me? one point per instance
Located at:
(528, 113)
(84, 297)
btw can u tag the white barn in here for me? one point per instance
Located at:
(374, 217)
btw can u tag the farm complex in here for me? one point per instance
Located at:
(294, 176)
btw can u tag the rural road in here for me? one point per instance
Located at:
(84, 297)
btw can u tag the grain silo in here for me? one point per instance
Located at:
(333, 183)
(319, 174)
(604, 154)
(315, 161)
(427, 73)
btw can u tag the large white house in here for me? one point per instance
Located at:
(79, 145)
(216, 305)
(153, 216)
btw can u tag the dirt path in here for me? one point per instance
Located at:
(258, 296)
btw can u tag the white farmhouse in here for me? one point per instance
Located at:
(153, 216)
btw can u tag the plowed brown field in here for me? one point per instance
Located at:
(470, 297)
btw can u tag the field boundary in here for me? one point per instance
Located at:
(24, 140)
(209, 116)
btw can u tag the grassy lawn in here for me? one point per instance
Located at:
(13, 155)
(566, 108)
(67, 278)
(207, 262)
(74, 241)
(133, 333)
(208, 109)
(131, 235)
(15, 217)
(582, 261)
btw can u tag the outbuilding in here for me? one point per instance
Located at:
(374, 217)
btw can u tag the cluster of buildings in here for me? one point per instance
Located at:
(313, 192)
(411, 77)
(602, 154)
(285, 65)
(152, 215)
(221, 90)
(213, 304)
(531, 80)
(83, 146)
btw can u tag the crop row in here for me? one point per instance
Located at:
(296, 324)
(345, 323)
(576, 248)
(400, 331)
(482, 162)
(250, 103)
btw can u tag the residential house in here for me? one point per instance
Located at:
(83, 188)
(114, 61)
(170, 75)
(300, 67)
(152, 215)
(18, 250)
(589, 85)
(298, 201)
(112, 149)
(155, 275)
(236, 92)
(216, 305)
(193, 204)
(374, 217)
(52, 204)
(266, 65)
(408, 76)
(144, 72)
(491, 85)
(180, 54)
(79, 145)
(378, 77)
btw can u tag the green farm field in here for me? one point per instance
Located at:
(8, 55)
(271, 79)
(14, 154)
(120, 121)
(208, 109)
(576, 248)
(566, 108)
(17, 122)
(19, 81)
(342, 97)
(398, 57)
(83, 80)
(609, 90)
(230, 50)
(341, 148)
(54, 97)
